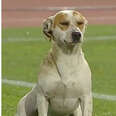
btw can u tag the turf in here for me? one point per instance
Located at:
(10, 97)
(21, 61)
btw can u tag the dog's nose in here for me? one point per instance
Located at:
(76, 36)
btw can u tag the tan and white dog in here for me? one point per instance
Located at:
(64, 82)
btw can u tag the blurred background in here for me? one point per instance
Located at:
(20, 13)
(24, 48)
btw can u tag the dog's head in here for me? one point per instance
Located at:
(65, 27)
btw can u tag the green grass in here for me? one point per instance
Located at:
(21, 61)
(11, 95)
(104, 108)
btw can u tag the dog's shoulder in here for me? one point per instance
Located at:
(48, 61)
(47, 66)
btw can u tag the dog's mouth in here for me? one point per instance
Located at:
(72, 42)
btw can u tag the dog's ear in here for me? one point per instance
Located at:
(86, 22)
(47, 27)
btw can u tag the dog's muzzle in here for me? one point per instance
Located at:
(76, 37)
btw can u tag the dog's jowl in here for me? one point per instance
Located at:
(64, 81)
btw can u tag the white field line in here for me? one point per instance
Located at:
(112, 37)
(28, 39)
(30, 85)
(109, 7)
(18, 83)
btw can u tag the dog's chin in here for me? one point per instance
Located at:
(71, 43)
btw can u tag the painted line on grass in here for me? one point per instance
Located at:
(30, 85)
(28, 39)
(112, 37)
(18, 83)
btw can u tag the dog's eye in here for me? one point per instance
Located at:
(64, 23)
(80, 23)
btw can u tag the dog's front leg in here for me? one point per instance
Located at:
(86, 105)
(42, 105)
(78, 111)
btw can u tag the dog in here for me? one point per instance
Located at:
(64, 81)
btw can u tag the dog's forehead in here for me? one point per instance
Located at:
(68, 14)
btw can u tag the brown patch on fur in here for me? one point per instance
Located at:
(59, 18)
(48, 61)
(81, 26)
(80, 22)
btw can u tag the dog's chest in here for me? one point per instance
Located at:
(67, 83)
(64, 96)
(64, 91)
(67, 89)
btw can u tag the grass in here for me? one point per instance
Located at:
(21, 61)
(11, 94)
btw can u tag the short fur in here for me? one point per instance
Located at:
(64, 81)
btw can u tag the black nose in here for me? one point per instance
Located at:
(76, 36)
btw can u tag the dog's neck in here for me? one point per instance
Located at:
(64, 59)
(59, 51)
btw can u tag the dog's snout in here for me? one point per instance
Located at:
(76, 36)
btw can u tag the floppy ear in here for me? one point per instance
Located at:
(85, 24)
(47, 27)
(86, 21)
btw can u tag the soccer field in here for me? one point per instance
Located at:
(23, 50)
